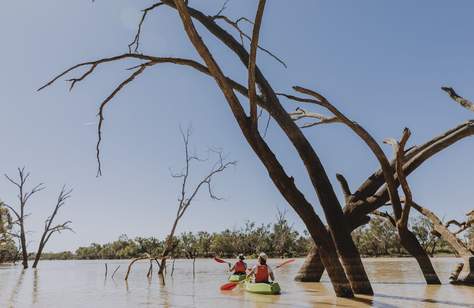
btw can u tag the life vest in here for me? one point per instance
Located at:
(239, 267)
(261, 274)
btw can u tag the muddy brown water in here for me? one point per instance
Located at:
(397, 282)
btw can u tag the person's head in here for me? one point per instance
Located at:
(262, 258)
(241, 257)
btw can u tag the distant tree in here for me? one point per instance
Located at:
(50, 227)
(187, 194)
(284, 236)
(20, 215)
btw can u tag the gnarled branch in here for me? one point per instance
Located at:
(459, 99)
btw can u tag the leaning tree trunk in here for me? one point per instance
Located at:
(345, 247)
(464, 274)
(312, 268)
(411, 244)
(283, 182)
(371, 195)
(38, 256)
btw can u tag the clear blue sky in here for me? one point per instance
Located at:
(381, 62)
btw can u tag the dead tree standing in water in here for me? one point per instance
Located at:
(188, 194)
(20, 215)
(49, 227)
(185, 199)
(407, 238)
(348, 277)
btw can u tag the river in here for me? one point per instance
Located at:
(397, 282)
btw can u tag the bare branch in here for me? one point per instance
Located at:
(252, 64)
(105, 102)
(235, 25)
(399, 152)
(459, 99)
(136, 40)
(300, 113)
(224, 6)
(385, 215)
(365, 136)
(344, 185)
(14, 212)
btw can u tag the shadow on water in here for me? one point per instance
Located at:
(16, 289)
(371, 302)
(425, 300)
(35, 286)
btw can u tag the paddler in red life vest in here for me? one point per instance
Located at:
(262, 271)
(240, 267)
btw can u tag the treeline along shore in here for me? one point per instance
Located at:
(279, 239)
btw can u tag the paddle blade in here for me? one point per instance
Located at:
(219, 260)
(229, 286)
(285, 263)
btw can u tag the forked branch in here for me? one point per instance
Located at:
(399, 153)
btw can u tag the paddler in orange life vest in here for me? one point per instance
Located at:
(240, 267)
(262, 271)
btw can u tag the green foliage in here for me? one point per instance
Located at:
(8, 249)
(279, 239)
(380, 238)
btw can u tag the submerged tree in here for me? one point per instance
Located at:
(49, 227)
(373, 193)
(334, 242)
(188, 193)
(20, 215)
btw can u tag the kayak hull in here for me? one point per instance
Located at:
(263, 288)
(236, 278)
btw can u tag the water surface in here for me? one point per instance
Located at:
(396, 282)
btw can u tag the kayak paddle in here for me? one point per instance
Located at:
(284, 263)
(229, 286)
(221, 261)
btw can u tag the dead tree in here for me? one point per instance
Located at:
(334, 244)
(20, 215)
(407, 238)
(373, 193)
(467, 275)
(187, 193)
(49, 227)
(185, 199)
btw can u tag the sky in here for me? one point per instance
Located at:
(380, 62)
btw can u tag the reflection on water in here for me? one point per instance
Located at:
(396, 282)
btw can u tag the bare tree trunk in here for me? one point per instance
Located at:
(24, 252)
(411, 244)
(38, 255)
(312, 268)
(371, 194)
